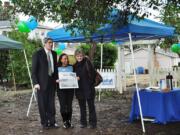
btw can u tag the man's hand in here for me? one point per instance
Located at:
(37, 87)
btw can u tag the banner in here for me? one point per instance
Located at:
(109, 80)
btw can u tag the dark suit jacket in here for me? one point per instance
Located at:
(86, 88)
(40, 68)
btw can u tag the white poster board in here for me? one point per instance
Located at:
(109, 80)
(67, 80)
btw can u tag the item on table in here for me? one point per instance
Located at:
(165, 90)
(169, 83)
(162, 84)
(153, 88)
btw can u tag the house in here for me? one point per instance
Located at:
(38, 33)
(162, 59)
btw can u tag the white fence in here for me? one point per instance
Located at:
(112, 81)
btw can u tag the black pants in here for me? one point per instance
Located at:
(92, 112)
(65, 99)
(46, 103)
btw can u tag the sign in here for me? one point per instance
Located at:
(109, 80)
(67, 80)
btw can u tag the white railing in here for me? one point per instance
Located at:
(120, 81)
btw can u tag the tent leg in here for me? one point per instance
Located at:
(29, 107)
(101, 56)
(135, 78)
(33, 90)
(99, 98)
(27, 65)
(101, 69)
(119, 72)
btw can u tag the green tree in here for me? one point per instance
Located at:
(5, 11)
(171, 16)
(109, 54)
(19, 65)
(4, 54)
(87, 15)
(4, 60)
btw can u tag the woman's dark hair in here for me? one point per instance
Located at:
(60, 57)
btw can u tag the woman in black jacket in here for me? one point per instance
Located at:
(86, 91)
(65, 95)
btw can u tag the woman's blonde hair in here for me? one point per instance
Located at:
(79, 51)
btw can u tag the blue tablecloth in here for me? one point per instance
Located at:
(163, 107)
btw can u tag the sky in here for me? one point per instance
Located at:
(51, 24)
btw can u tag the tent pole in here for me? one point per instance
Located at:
(33, 93)
(27, 64)
(14, 80)
(150, 65)
(101, 68)
(101, 55)
(135, 78)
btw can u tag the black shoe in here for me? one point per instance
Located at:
(83, 126)
(92, 126)
(65, 125)
(55, 125)
(69, 124)
(45, 127)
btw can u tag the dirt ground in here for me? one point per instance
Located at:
(112, 113)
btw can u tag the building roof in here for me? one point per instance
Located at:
(159, 51)
(7, 24)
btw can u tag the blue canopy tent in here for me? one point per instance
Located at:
(139, 29)
(144, 29)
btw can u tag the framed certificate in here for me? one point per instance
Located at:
(67, 80)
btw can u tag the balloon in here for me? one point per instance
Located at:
(32, 23)
(58, 51)
(22, 27)
(179, 48)
(175, 48)
(62, 46)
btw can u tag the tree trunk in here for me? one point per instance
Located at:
(156, 63)
(92, 50)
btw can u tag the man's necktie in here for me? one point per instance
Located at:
(49, 64)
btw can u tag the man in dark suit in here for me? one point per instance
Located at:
(44, 76)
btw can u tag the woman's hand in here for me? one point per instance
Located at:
(78, 78)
